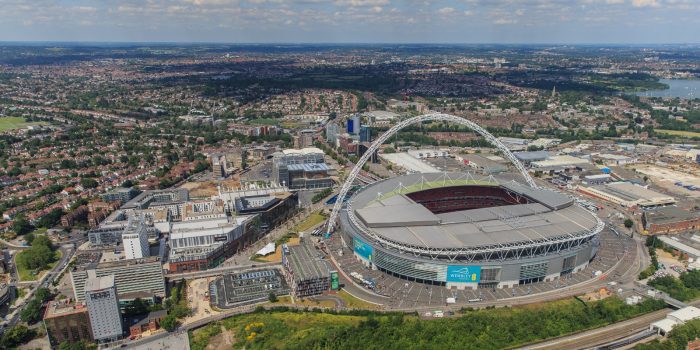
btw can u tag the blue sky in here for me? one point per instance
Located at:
(350, 21)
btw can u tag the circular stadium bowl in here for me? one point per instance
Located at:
(466, 231)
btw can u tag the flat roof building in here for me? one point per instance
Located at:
(67, 322)
(307, 273)
(628, 195)
(137, 275)
(670, 220)
(674, 319)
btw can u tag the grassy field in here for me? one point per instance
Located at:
(435, 184)
(306, 302)
(482, 329)
(311, 221)
(354, 303)
(273, 330)
(27, 275)
(688, 134)
(10, 123)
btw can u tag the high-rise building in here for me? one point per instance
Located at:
(306, 138)
(331, 132)
(365, 134)
(135, 239)
(218, 165)
(103, 308)
(356, 124)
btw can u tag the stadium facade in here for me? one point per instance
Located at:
(463, 231)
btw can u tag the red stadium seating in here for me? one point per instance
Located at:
(455, 198)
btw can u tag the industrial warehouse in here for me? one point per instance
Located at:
(463, 231)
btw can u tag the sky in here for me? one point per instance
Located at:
(353, 21)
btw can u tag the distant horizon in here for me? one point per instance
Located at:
(620, 22)
(358, 43)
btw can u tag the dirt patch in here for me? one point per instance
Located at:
(277, 255)
(209, 188)
(223, 340)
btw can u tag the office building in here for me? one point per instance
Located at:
(130, 276)
(301, 169)
(201, 244)
(218, 165)
(365, 133)
(103, 308)
(332, 130)
(306, 138)
(135, 239)
(67, 322)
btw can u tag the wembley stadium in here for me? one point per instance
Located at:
(466, 231)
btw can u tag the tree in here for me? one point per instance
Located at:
(169, 323)
(38, 256)
(51, 219)
(629, 223)
(136, 307)
(32, 312)
(87, 182)
(21, 225)
(16, 336)
(272, 297)
(80, 345)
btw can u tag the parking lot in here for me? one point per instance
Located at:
(242, 288)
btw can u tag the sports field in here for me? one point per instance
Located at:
(11, 123)
(689, 134)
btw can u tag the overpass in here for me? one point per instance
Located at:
(173, 277)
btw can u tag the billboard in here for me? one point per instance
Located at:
(363, 249)
(463, 274)
(334, 280)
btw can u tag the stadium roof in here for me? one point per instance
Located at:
(400, 219)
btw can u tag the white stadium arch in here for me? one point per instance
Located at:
(414, 120)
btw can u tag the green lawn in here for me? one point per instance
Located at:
(28, 275)
(435, 184)
(10, 123)
(354, 303)
(311, 221)
(688, 134)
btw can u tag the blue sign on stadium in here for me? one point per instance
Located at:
(463, 274)
(363, 249)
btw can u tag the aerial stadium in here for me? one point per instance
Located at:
(458, 230)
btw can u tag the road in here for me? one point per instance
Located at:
(602, 335)
(44, 282)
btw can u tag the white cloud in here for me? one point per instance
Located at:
(446, 10)
(645, 3)
(357, 3)
(501, 21)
